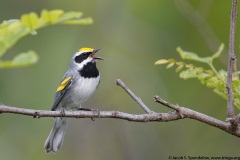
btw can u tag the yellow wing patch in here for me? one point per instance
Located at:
(86, 49)
(63, 84)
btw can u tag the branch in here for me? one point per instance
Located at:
(161, 117)
(137, 99)
(150, 116)
(188, 113)
(231, 60)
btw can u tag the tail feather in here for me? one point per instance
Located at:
(56, 136)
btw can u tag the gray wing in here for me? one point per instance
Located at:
(62, 89)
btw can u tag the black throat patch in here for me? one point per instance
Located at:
(89, 70)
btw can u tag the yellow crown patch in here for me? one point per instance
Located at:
(86, 49)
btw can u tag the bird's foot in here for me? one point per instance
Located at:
(92, 110)
(62, 111)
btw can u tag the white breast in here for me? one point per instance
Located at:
(83, 89)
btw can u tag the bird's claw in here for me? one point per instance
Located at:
(93, 110)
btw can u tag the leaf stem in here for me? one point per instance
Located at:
(214, 69)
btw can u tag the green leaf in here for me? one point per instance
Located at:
(171, 61)
(21, 60)
(179, 68)
(211, 78)
(211, 82)
(53, 16)
(218, 53)
(192, 56)
(10, 34)
(161, 61)
(30, 20)
(13, 30)
(237, 102)
(220, 93)
(70, 15)
(170, 65)
(83, 21)
(190, 73)
(190, 66)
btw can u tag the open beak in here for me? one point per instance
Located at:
(93, 53)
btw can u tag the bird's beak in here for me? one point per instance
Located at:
(93, 53)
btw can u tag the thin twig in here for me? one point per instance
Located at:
(137, 99)
(231, 59)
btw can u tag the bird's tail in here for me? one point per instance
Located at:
(55, 138)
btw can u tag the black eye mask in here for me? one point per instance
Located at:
(82, 57)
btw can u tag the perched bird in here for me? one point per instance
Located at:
(78, 84)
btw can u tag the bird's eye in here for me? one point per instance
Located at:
(85, 54)
(82, 57)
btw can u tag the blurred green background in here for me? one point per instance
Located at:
(133, 35)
